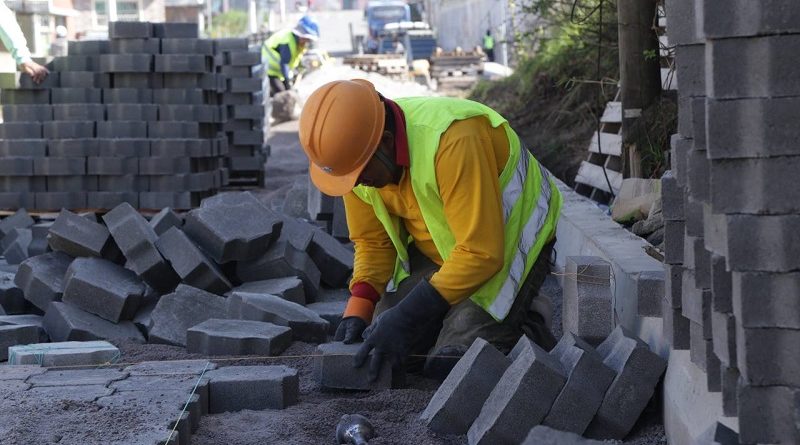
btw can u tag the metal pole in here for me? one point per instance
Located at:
(112, 10)
(282, 4)
(252, 16)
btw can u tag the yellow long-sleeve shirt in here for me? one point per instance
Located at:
(469, 161)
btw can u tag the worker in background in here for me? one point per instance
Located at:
(452, 219)
(488, 45)
(283, 51)
(14, 40)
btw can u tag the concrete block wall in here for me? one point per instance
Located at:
(734, 161)
(241, 100)
(141, 118)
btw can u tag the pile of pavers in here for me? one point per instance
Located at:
(138, 118)
(240, 96)
(228, 278)
(329, 211)
(575, 388)
(732, 209)
(145, 403)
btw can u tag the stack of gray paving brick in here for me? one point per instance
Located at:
(498, 400)
(223, 279)
(329, 211)
(133, 119)
(241, 98)
(735, 161)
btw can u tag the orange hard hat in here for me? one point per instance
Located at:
(340, 128)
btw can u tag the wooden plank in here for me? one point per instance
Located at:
(612, 114)
(669, 79)
(592, 175)
(610, 144)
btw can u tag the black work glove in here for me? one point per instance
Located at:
(350, 329)
(394, 332)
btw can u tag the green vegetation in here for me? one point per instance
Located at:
(228, 24)
(555, 95)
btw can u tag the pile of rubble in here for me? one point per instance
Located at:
(228, 278)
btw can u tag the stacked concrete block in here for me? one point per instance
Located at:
(739, 170)
(282, 260)
(112, 91)
(41, 278)
(333, 369)
(238, 337)
(77, 236)
(638, 371)
(12, 300)
(12, 335)
(65, 322)
(235, 388)
(521, 399)
(240, 95)
(459, 399)
(288, 288)
(588, 310)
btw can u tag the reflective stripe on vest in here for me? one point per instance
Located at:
(271, 56)
(531, 202)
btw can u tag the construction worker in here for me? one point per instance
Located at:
(283, 51)
(14, 40)
(488, 45)
(452, 219)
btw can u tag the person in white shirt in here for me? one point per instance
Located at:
(14, 40)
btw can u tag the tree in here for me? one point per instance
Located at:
(229, 24)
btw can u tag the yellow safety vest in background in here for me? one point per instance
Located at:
(271, 56)
(531, 201)
(488, 42)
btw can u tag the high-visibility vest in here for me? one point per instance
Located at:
(531, 201)
(271, 56)
(488, 42)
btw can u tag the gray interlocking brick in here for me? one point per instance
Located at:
(18, 220)
(15, 245)
(235, 71)
(125, 63)
(334, 261)
(242, 58)
(198, 113)
(717, 434)
(127, 96)
(24, 97)
(766, 58)
(80, 79)
(76, 96)
(187, 46)
(87, 47)
(129, 30)
(175, 30)
(683, 22)
(193, 96)
(763, 300)
(213, 228)
(123, 148)
(236, 388)
(122, 129)
(330, 311)
(775, 251)
(136, 239)
(766, 356)
(27, 113)
(177, 129)
(770, 186)
(131, 183)
(690, 69)
(135, 46)
(194, 148)
(723, 327)
(181, 63)
(164, 166)
(238, 337)
(673, 242)
(72, 353)
(78, 112)
(770, 412)
(59, 166)
(68, 130)
(132, 112)
(248, 137)
(16, 200)
(21, 130)
(55, 201)
(675, 327)
(112, 166)
(333, 368)
(72, 148)
(743, 18)
(521, 398)
(16, 166)
(137, 80)
(282, 260)
(752, 127)
(175, 313)
(103, 288)
(587, 381)
(306, 324)
(230, 44)
(64, 322)
(236, 98)
(164, 220)
(109, 200)
(79, 237)
(459, 399)
(543, 435)
(288, 288)
(588, 310)
(650, 292)
(12, 300)
(246, 163)
(177, 200)
(12, 335)
(638, 371)
(244, 85)
(730, 382)
(247, 112)
(191, 264)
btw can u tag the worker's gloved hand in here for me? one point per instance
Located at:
(394, 332)
(350, 330)
(287, 84)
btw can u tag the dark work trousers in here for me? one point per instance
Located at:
(467, 321)
(275, 86)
